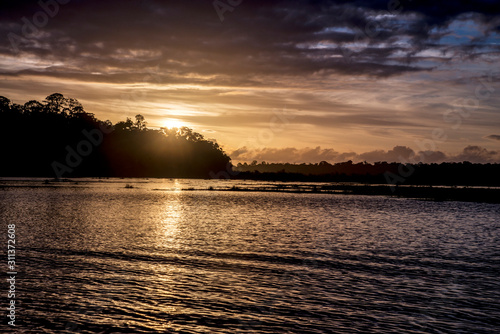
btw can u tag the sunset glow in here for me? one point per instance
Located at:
(231, 166)
(359, 81)
(173, 123)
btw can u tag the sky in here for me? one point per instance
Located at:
(279, 81)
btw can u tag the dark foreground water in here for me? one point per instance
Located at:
(96, 257)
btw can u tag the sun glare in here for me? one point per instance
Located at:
(173, 123)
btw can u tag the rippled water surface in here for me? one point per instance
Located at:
(96, 257)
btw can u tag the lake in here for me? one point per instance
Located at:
(168, 256)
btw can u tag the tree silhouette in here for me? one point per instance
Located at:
(140, 123)
(4, 103)
(57, 137)
(55, 103)
(461, 173)
(124, 125)
(33, 106)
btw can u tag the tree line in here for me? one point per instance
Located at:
(57, 137)
(446, 173)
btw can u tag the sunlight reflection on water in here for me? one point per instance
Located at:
(99, 257)
(168, 224)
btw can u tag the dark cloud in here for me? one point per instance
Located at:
(290, 154)
(477, 154)
(432, 157)
(352, 72)
(400, 154)
(397, 154)
(187, 39)
(493, 137)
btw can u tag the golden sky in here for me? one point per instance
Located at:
(300, 81)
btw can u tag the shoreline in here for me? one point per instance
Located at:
(479, 194)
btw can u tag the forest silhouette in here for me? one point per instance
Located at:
(58, 138)
(446, 173)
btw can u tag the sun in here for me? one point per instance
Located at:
(173, 123)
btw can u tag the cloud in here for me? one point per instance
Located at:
(353, 72)
(493, 137)
(289, 154)
(432, 157)
(401, 154)
(397, 154)
(477, 154)
(256, 38)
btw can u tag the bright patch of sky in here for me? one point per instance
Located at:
(27, 62)
(345, 30)
(467, 31)
(318, 46)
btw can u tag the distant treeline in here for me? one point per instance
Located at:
(463, 173)
(57, 138)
